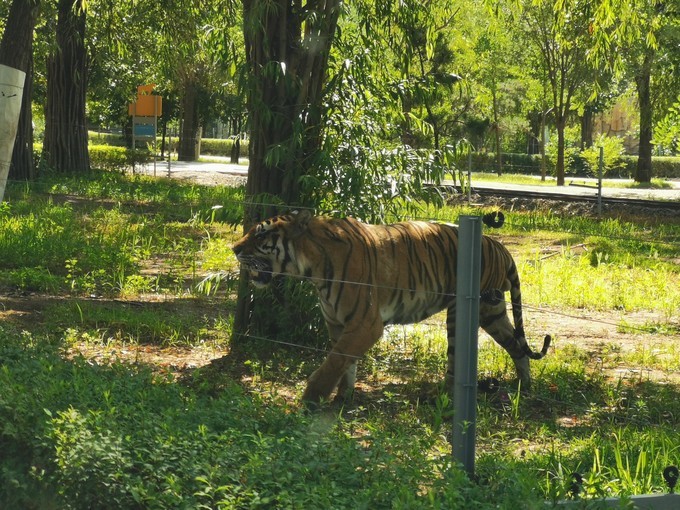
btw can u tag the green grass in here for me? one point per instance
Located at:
(105, 264)
(535, 180)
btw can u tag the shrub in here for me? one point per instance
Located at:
(613, 164)
(222, 147)
(666, 166)
(511, 163)
(113, 139)
(116, 159)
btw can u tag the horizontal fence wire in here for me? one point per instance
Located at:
(335, 212)
(426, 322)
(451, 295)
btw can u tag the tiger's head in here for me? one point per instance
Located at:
(267, 249)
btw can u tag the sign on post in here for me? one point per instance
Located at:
(145, 112)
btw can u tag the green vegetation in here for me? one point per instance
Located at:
(535, 180)
(109, 313)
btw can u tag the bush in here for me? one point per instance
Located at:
(529, 164)
(222, 147)
(114, 139)
(665, 167)
(612, 162)
(116, 159)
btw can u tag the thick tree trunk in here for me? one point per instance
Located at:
(16, 50)
(561, 123)
(65, 146)
(287, 52)
(643, 172)
(22, 167)
(188, 149)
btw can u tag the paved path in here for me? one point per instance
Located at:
(671, 194)
(223, 172)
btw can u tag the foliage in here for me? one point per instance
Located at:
(116, 159)
(222, 147)
(667, 131)
(44, 245)
(121, 437)
(612, 150)
(511, 162)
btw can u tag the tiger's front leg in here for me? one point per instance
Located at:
(339, 368)
(348, 379)
(347, 382)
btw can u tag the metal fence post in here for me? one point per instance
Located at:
(467, 325)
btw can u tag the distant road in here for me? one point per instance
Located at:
(219, 171)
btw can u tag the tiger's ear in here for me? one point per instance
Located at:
(301, 222)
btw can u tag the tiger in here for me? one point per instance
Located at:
(369, 276)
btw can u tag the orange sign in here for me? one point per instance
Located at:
(147, 105)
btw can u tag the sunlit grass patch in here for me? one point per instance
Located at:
(574, 281)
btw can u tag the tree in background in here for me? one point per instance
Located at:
(560, 36)
(16, 50)
(500, 90)
(643, 36)
(65, 145)
(647, 56)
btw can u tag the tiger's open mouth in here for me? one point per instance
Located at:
(260, 278)
(260, 270)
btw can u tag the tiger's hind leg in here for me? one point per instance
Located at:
(493, 318)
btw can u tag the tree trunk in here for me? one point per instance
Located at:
(189, 136)
(543, 142)
(16, 50)
(235, 149)
(22, 167)
(287, 54)
(587, 128)
(65, 146)
(497, 133)
(643, 172)
(560, 122)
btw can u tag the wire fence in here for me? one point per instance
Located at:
(648, 239)
(510, 303)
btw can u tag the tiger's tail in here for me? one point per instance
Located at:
(516, 302)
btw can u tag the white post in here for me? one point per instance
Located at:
(11, 94)
(469, 175)
(467, 325)
(600, 167)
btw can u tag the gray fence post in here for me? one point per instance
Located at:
(467, 325)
